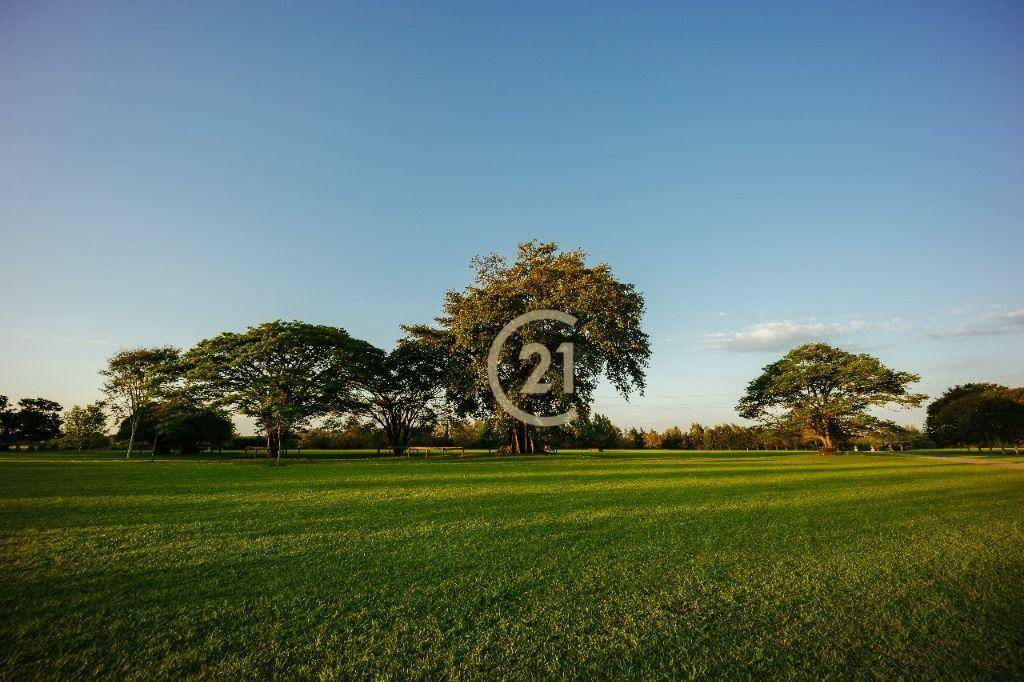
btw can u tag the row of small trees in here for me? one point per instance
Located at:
(598, 432)
(165, 425)
(971, 415)
(283, 375)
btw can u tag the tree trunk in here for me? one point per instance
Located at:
(274, 443)
(131, 437)
(531, 439)
(521, 440)
(401, 438)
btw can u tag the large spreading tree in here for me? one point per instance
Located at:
(608, 338)
(402, 392)
(827, 392)
(281, 374)
(38, 420)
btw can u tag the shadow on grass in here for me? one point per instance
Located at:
(263, 482)
(195, 565)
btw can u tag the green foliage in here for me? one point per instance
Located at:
(942, 425)
(136, 377)
(181, 423)
(885, 434)
(282, 374)
(596, 432)
(979, 414)
(653, 440)
(696, 438)
(6, 423)
(718, 437)
(826, 391)
(351, 434)
(601, 433)
(85, 428)
(36, 420)
(402, 392)
(672, 439)
(482, 434)
(633, 438)
(611, 566)
(609, 340)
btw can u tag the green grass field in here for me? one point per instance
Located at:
(575, 565)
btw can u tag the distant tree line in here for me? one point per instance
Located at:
(978, 415)
(599, 433)
(317, 386)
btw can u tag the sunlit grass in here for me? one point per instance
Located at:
(581, 564)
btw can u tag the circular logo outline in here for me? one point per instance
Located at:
(492, 368)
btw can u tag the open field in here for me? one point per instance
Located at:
(635, 564)
(993, 456)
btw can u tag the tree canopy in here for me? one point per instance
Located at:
(181, 423)
(827, 392)
(943, 425)
(135, 378)
(35, 420)
(608, 338)
(85, 427)
(588, 431)
(979, 414)
(281, 374)
(401, 391)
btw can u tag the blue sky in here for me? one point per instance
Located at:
(764, 174)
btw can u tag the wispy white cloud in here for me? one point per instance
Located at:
(67, 339)
(782, 335)
(987, 325)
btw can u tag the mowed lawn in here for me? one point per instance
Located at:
(575, 565)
